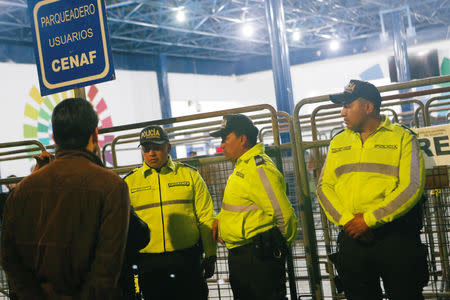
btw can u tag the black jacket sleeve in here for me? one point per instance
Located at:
(138, 234)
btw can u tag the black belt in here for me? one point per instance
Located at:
(270, 241)
(241, 249)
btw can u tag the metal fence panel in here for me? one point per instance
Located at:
(311, 157)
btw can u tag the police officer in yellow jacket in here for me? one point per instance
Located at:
(174, 201)
(256, 220)
(371, 186)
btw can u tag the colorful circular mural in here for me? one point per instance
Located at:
(38, 111)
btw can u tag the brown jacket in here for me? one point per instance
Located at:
(64, 230)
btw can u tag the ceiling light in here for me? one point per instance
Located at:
(334, 45)
(422, 53)
(181, 16)
(296, 35)
(247, 30)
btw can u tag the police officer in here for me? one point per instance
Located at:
(174, 201)
(256, 220)
(370, 186)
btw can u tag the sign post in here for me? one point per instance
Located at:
(80, 93)
(71, 44)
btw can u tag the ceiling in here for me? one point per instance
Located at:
(213, 28)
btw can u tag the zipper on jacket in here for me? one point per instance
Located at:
(162, 215)
(358, 174)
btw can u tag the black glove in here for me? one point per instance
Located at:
(209, 266)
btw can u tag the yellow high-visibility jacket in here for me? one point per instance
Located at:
(382, 178)
(255, 201)
(175, 204)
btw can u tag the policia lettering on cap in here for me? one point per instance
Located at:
(173, 200)
(370, 187)
(256, 220)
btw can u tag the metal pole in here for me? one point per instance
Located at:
(280, 58)
(164, 96)
(163, 87)
(400, 51)
(80, 93)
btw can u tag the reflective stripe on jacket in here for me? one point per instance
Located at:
(255, 201)
(382, 178)
(175, 204)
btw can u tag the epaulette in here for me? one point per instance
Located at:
(340, 131)
(129, 173)
(189, 166)
(408, 129)
(259, 160)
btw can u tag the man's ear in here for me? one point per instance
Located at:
(53, 138)
(95, 137)
(243, 139)
(169, 147)
(369, 107)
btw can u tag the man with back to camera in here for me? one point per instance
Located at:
(174, 201)
(65, 225)
(138, 237)
(370, 186)
(256, 220)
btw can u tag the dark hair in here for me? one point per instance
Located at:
(376, 106)
(73, 121)
(250, 133)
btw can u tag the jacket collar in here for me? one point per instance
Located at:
(384, 125)
(252, 152)
(79, 153)
(167, 168)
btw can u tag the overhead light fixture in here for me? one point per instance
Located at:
(334, 45)
(181, 15)
(422, 53)
(296, 35)
(247, 30)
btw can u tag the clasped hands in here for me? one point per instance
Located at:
(358, 229)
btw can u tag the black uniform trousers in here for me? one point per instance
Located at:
(396, 256)
(257, 271)
(173, 275)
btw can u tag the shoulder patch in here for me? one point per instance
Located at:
(340, 131)
(189, 166)
(408, 129)
(129, 173)
(259, 160)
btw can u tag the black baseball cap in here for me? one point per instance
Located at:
(358, 89)
(237, 123)
(153, 134)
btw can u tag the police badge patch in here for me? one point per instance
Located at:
(259, 160)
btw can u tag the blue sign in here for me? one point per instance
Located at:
(71, 43)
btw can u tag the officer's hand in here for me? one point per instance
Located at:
(356, 226)
(42, 159)
(209, 266)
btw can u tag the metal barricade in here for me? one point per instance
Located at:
(300, 161)
(215, 170)
(322, 232)
(302, 257)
